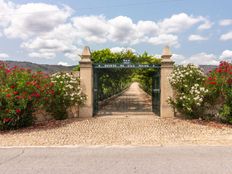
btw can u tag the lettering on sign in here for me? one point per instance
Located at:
(126, 66)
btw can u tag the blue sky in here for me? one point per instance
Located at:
(54, 32)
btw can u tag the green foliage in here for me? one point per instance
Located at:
(194, 91)
(144, 76)
(190, 92)
(76, 68)
(113, 81)
(106, 56)
(21, 92)
(219, 82)
(66, 92)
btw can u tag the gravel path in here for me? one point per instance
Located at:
(134, 101)
(137, 130)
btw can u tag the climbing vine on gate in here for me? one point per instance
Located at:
(112, 81)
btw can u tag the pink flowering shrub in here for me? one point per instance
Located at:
(21, 92)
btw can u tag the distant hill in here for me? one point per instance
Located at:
(207, 68)
(50, 69)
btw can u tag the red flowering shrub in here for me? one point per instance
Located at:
(21, 92)
(221, 78)
(219, 83)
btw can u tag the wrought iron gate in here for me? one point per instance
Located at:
(95, 91)
(155, 83)
(156, 93)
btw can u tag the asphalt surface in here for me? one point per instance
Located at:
(116, 160)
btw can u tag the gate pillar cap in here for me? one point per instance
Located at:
(166, 52)
(86, 54)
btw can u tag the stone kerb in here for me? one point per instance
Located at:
(166, 111)
(86, 83)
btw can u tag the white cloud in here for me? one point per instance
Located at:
(35, 18)
(45, 45)
(91, 28)
(42, 55)
(206, 25)
(225, 22)
(54, 42)
(194, 37)
(121, 49)
(202, 59)
(6, 11)
(147, 28)
(75, 54)
(4, 56)
(63, 63)
(164, 39)
(178, 58)
(50, 30)
(226, 55)
(178, 22)
(122, 29)
(227, 36)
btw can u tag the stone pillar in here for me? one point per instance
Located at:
(86, 82)
(166, 111)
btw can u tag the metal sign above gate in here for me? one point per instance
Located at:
(101, 66)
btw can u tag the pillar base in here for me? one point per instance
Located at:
(85, 112)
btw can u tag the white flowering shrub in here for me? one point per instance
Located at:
(188, 82)
(69, 86)
(67, 92)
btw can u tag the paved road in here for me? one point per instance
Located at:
(117, 160)
(134, 101)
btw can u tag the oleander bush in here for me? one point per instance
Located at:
(66, 92)
(195, 92)
(219, 82)
(188, 83)
(22, 92)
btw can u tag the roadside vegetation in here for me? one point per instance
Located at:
(196, 95)
(22, 92)
(205, 96)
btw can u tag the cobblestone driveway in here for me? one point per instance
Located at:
(125, 129)
(120, 130)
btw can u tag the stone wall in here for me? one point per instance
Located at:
(42, 115)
